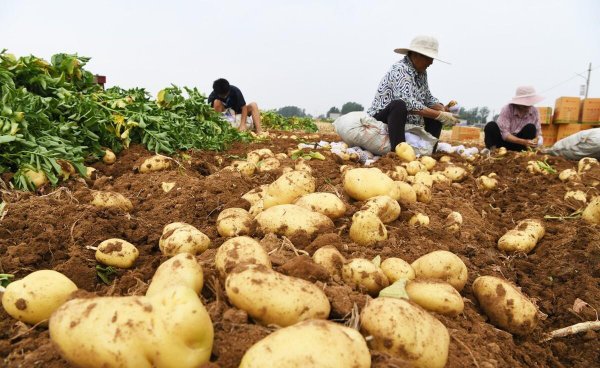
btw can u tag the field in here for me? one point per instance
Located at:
(51, 230)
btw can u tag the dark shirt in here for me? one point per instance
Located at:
(234, 100)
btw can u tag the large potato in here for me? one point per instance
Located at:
(180, 270)
(237, 251)
(505, 305)
(155, 163)
(442, 265)
(35, 297)
(313, 343)
(244, 167)
(367, 229)
(179, 237)
(331, 259)
(37, 178)
(111, 200)
(272, 298)
(288, 187)
(456, 173)
(523, 238)
(234, 222)
(117, 253)
(326, 203)
(405, 330)
(364, 275)
(396, 269)
(291, 220)
(591, 213)
(364, 183)
(386, 208)
(405, 152)
(169, 329)
(436, 296)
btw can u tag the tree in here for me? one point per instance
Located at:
(289, 111)
(333, 110)
(351, 106)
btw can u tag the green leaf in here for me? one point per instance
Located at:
(5, 279)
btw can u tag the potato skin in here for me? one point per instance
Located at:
(238, 251)
(33, 298)
(179, 237)
(505, 305)
(180, 270)
(111, 200)
(255, 194)
(386, 208)
(365, 183)
(155, 163)
(312, 343)
(435, 296)
(273, 298)
(367, 229)
(234, 222)
(289, 187)
(591, 213)
(403, 329)
(326, 203)
(365, 275)
(442, 265)
(331, 259)
(523, 238)
(291, 220)
(117, 253)
(396, 269)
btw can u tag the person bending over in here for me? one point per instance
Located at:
(225, 96)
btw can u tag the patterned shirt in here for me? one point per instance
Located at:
(512, 122)
(403, 82)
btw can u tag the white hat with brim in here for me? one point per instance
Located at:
(526, 96)
(424, 45)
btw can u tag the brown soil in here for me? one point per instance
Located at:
(51, 230)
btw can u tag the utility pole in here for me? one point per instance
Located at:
(587, 82)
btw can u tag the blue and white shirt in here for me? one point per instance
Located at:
(403, 82)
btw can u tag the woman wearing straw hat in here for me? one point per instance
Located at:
(518, 126)
(403, 94)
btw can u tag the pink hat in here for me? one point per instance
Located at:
(526, 96)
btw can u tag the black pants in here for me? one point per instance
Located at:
(395, 115)
(493, 138)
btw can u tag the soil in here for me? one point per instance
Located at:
(52, 229)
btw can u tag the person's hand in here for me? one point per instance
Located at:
(533, 143)
(447, 118)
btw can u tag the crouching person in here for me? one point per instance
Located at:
(229, 100)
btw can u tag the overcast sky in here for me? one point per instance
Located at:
(318, 54)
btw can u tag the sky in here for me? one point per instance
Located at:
(316, 54)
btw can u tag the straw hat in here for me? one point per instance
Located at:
(526, 96)
(424, 45)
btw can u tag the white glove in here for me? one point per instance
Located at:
(447, 118)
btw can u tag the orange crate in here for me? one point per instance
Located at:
(590, 110)
(549, 132)
(565, 130)
(545, 115)
(566, 110)
(464, 133)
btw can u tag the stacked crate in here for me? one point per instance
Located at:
(571, 115)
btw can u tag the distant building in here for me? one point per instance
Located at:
(334, 115)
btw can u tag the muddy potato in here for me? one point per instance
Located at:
(453, 222)
(429, 162)
(281, 156)
(238, 251)
(419, 219)
(179, 237)
(455, 173)
(364, 183)
(403, 329)
(486, 183)
(256, 208)
(288, 187)
(591, 213)
(364, 275)
(442, 265)
(117, 253)
(273, 298)
(435, 296)
(331, 259)
(244, 167)
(313, 343)
(260, 154)
(155, 163)
(326, 203)
(403, 193)
(424, 178)
(413, 167)
(109, 157)
(169, 329)
(501, 151)
(440, 178)
(401, 172)
(37, 178)
(386, 208)
(396, 269)
(568, 175)
(523, 238)
(423, 192)
(268, 164)
(586, 163)
(234, 222)
(180, 270)
(405, 152)
(111, 200)
(506, 306)
(91, 173)
(36, 296)
(576, 197)
(367, 229)
(255, 194)
(290, 220)
(302, 165)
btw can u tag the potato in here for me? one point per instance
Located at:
(37, 178)
(117, 253)
(576, 197)
(326, 203)
(455, 173)
(435, 296)
(410, 179)
(445, 159)
(302, 165)
(591, 213)
(288, 187)
(586, 164)
(453, 222)
(272, 298)
(180, 270)
(244, 167)
(255, 194)
(364, 275)
(405, 152)
(66, 169)
(256, 208)
(403, 329)
(442, 265)
(568, 175)
(237, 251)
(258, 155)
(36, 296)
(399, 173)
(384, 207)
(428, 161)
(364, 183)
(179, 237)
(523, 237)
(331, 259)
(155, 163)
(419, 219)
(109, 157)
(169, 329)
(440, 178)
(268, 164)
(403, 193)
(281, 156)
(505, 305)
(111, 200)
(423, 192)
(234, 222)
(413, 167)
(486, 183)
(423, 177)
(291, 220)
(501, 151)
(396, 269)
(367, 229)
(91, 173)
(313, 343)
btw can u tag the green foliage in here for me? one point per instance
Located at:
(55, 112)
(272, 120)
(5, 279)
(351, 106)
(476, 115)
(289, 111)
(333, 110)
(106, 274)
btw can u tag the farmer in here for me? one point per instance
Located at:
(403, 94)
(518, 126)
(226, 98)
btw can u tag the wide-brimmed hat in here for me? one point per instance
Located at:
(526, 96)
(424, 45)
